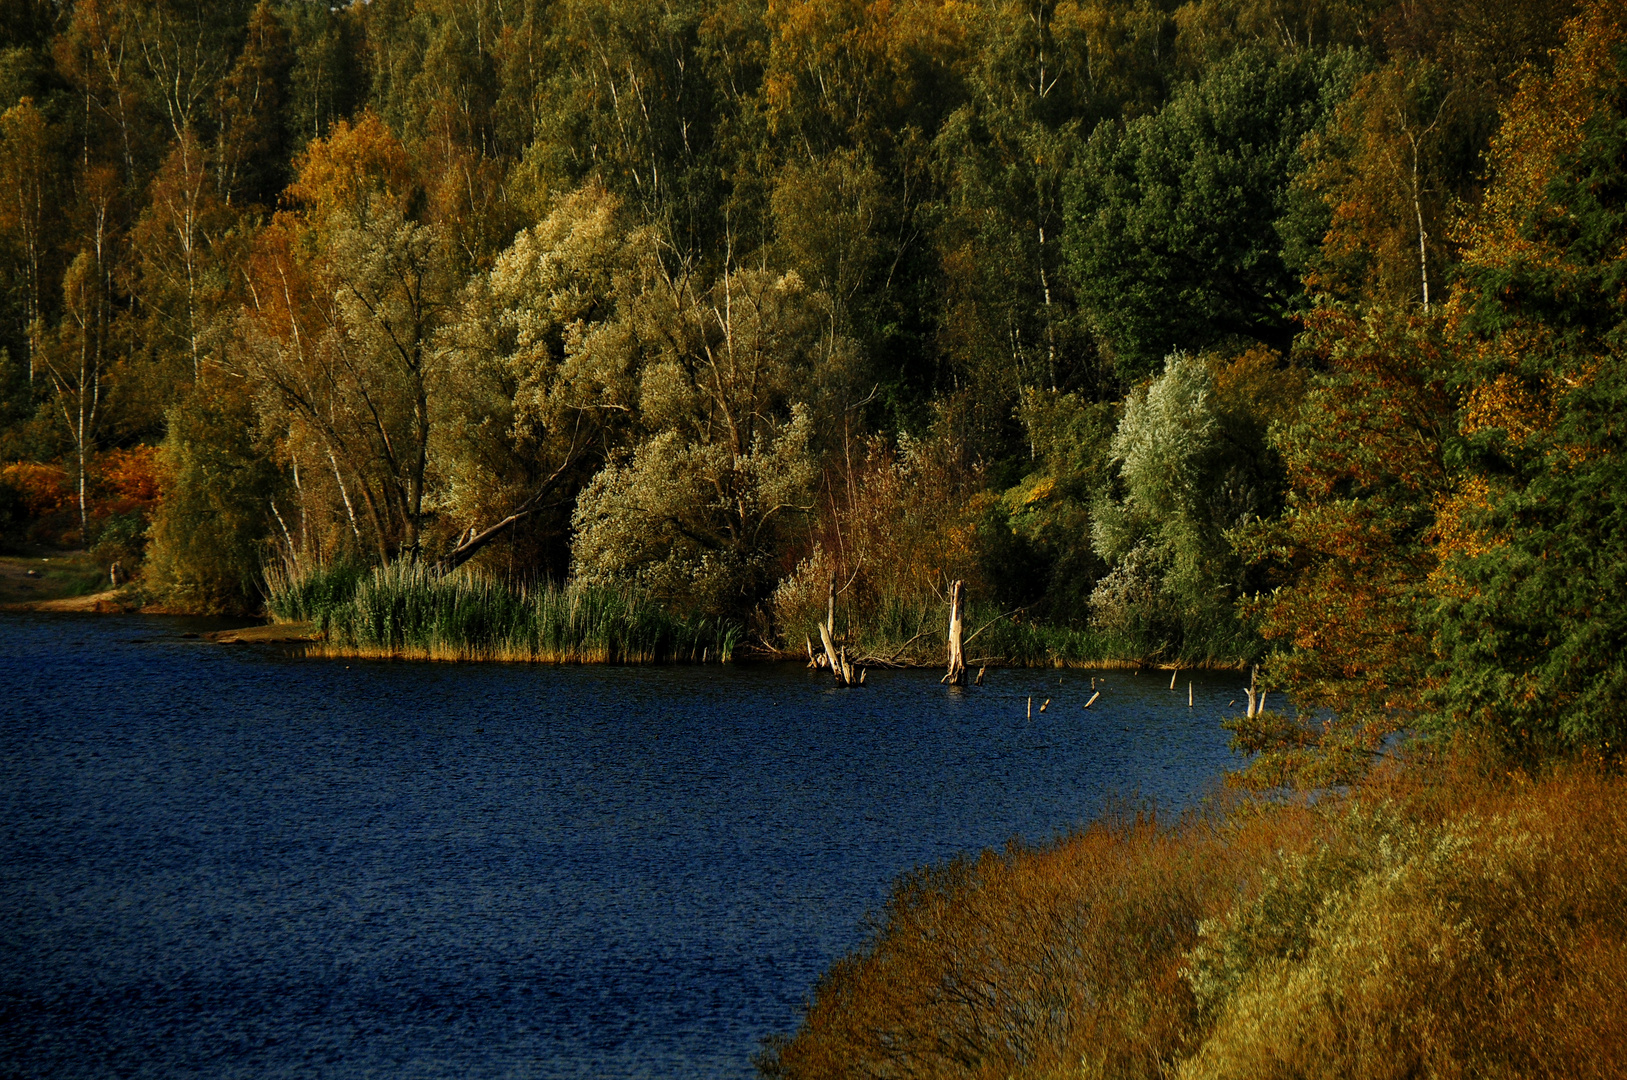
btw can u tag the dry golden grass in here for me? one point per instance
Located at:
(1440, 921)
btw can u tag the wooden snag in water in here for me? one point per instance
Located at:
(956, 676)
(836, 659)
(1030, 708)
(1189, 694)
(1253, 703)
(1045, 705)
(1093, 698)
(1172, 676)
(979, 679)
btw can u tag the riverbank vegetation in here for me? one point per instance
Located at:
(408, 610)
(1444, 919)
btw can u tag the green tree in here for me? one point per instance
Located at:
(1179, 222)
(537, 383)
(1533, 582)
(1188, 465)
(211, 533)
(701, 510)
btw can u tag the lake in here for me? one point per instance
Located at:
(227, 861)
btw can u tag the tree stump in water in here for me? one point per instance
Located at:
(956, 675)
(836, 659)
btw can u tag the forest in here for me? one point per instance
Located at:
(1278, 331)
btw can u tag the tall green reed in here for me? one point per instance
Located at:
(409, 609)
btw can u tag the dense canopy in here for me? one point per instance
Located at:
(1225, 330)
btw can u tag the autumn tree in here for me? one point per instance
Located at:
(1532, 578)
(1347, 567)
(347, 293)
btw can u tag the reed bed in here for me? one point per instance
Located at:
(408, 610)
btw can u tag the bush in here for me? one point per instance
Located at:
(209, 534)
(1434, 922)
(122, 540)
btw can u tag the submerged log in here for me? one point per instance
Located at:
(1093, 698)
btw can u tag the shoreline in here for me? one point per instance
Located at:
(309, 638)
(318, 648)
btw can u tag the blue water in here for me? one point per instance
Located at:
(221, 861)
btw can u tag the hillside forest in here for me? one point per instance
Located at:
(1217, 331)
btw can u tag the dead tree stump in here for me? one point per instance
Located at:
(846, 673)
(956, 676)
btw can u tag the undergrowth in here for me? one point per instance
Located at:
(914, 632)
(1444, 922)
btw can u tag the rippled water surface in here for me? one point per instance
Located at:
(223, 861)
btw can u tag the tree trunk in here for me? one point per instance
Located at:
(956, 676)
(831, 658)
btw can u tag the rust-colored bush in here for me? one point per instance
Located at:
(44, 488)
(1444, 919)
(129, 480)
(1061, 960)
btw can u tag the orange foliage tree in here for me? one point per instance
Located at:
(1366, 466)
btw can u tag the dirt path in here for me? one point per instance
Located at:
(69, 581)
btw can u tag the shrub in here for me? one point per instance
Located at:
(1436, 921)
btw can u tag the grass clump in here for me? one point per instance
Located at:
(1470, 923)
(410, 610)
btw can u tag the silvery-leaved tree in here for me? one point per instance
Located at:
(1189, 463)
(702, 508)
(537, 370)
